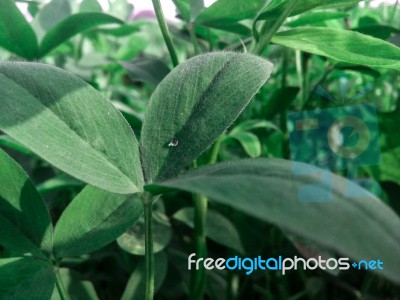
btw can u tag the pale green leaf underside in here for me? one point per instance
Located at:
(94, 219)
(267, 189)
(193, 105)
(25, 224)
(68, 123)
(342, 45)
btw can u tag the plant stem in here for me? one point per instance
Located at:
(165, 32)
(149, 255)
(60, 285)
(200, 215)
(195, 42)
(267, 31)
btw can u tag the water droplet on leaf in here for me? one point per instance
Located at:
(173, 143)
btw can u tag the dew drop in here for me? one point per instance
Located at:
(173, 143)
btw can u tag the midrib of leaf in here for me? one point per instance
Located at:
(100, 153)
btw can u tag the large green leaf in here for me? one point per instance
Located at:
(342, 45)
(317, 17)
(359, 227)
(25, 278)
(193, 105)
(229, 11)
(71, 26)
(16, 35)
(94, 219)
(25, 224)
(67, 122)
(273, 12)
(149, 70)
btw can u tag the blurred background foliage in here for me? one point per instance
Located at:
(121, 53)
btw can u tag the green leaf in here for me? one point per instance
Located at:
(135, 288)
(68, 123)
(279, 101)
(25, 224)
(94, 219)
(229, 11)
(390, 166)
(272, 12)
(378, 31)
(12, 144)
(268, 189)
(249, 141)
(133, 240)
(341, 45)
(90, 6)
(58, 183)
(76, 287)
(25, 278)
(317, 17)
(149, 70)
(71, 26)
(193, 105)
(218, 228)
(16, 35)
(196, 6)
(51, 14)
(253, 124)
(183, 7)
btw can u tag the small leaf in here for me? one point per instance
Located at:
(58, 183)
(16, 35)
(25, 224)
(76, 287)
(94, 219)
(341, 45)
(68, 123)
(193, 105)
(249, 141)
(218, 228)
(149, 70)
(269, 189)
(90, 6)
(135, 288)
(52, 13)
(390, 166)
(133, 240)
(25, 278)
(76, 23)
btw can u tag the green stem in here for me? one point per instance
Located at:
(165, 32)
(149, 255)
(200, 213)
(193, 38)
(267, 31)
(60, 285)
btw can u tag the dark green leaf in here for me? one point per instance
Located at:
(341, 45)
(378, 31)
(94, 219)
(71, 26)
(58, 183)
(67, 122)
(25, 278)
(279, 101)
(12, 144)
(16, 35)
(149, 70)
(268, 189)
(25, 224)
(218, 228)
(390, 166)
(135, 288)
(192, 106)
